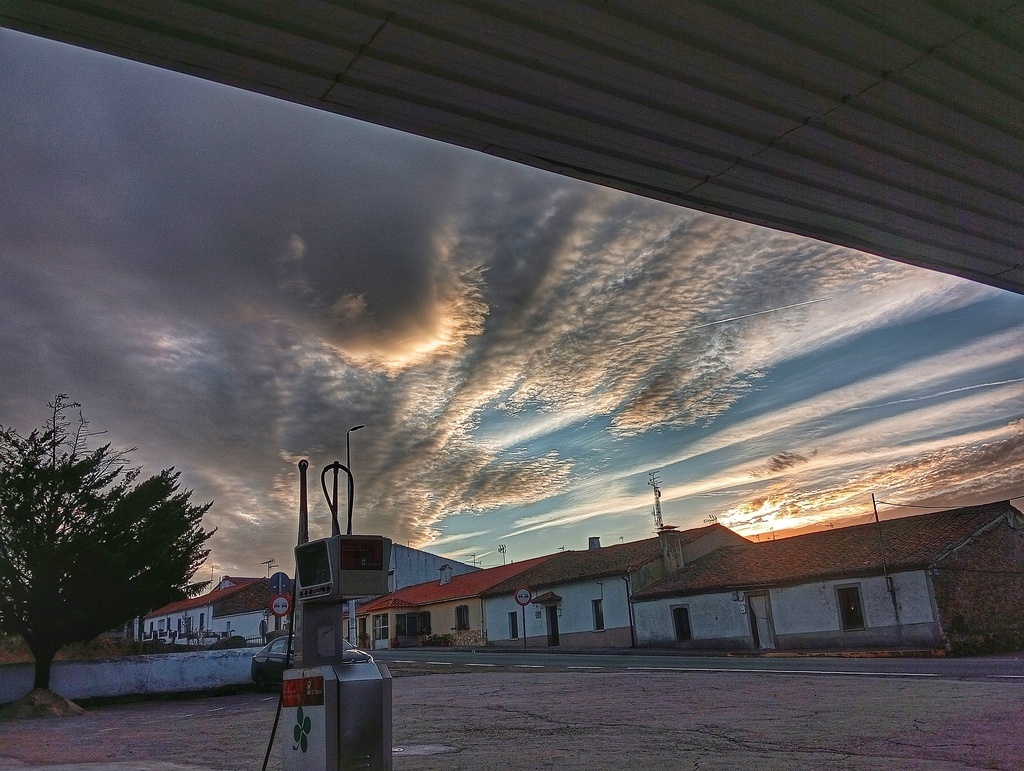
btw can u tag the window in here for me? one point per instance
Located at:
(598, 607)
(851, 612)
(407, 624)
(513, 625)
(461, 617)
(201, 619)
(681, 620)
(380, 626)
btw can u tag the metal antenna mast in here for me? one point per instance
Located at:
(659, 525)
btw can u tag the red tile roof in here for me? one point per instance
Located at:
(207, 599)
(465, 585)
(580, 565)
(909, 543)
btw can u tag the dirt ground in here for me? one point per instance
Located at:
(575, 720)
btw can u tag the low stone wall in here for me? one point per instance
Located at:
(159, 673)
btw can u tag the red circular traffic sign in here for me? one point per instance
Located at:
(523, 596)
(280, 605)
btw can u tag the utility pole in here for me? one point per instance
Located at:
(889, 585)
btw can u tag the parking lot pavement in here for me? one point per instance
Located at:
(569, 720)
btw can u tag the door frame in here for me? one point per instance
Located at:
(769, 625)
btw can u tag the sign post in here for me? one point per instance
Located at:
(523, 597)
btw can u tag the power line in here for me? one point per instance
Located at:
(946, 506)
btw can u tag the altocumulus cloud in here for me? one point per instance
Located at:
(230, 283)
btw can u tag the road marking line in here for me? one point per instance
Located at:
(441, 663)
(584, 667)
(481, 665)
(784, 671)
(1010, 677)
(529, 666)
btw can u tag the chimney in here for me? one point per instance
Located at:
(446, 574)
(595, 542)
(671, 549)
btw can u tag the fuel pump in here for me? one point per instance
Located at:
(336, 705)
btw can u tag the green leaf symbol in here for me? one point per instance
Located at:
(303, 725)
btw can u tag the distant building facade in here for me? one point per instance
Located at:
(949, 579)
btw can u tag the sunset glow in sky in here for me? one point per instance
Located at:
(229, 282)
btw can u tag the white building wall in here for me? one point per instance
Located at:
(244, 624)
(813, 607)
(803, 610)
(712, 617)
(173, 620)
(577, 614)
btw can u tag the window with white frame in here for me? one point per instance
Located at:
(513, 625)
(380, 626)
(462, 617)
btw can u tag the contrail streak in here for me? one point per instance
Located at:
(725, 321)
(937, 394)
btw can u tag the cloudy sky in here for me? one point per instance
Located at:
(229, 282)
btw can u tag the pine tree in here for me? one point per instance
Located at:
(84, 545)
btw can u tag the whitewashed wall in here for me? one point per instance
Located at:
(164, 673)
(805, 614)
(576, 609)
(813, 607)
(712, 617)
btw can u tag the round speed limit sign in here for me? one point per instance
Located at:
(523, 596)
(280, 605)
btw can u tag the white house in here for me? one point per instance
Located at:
(236, 606)
(951, 578)
(583, 598)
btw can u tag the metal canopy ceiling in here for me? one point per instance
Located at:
(895, 128)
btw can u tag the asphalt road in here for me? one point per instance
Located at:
(466, 711)
(1008, 667)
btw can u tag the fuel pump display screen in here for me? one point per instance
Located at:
(342, 566)
(362, 554)
(313, 564)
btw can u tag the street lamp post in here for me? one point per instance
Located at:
(348, 456)
(348, 464)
